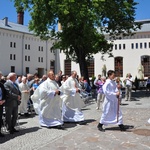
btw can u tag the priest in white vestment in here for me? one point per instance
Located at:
(72, 102)
(111, 112)
(25, 93)
(48, 104)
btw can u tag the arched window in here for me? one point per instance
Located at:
(67, 67)
(145, 61)
(119, 66)
(91, 68)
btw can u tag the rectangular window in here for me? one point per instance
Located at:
(145, 45)
(136, 45)
(41, 59)
(27, 70)
(38, 59)
(14, 57)
(42, 48)
(124, 46)
(10, 44)
(149, 44)
(39, 48)
(28, 58)
(140, 45)
(115, 46)
(25, 46)
(132, 45)
(12, 69)
(14, 45)
(28, 47)
(25, 58)
(10, 56)
(52, 65)
(119, 46)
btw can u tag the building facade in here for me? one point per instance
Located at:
(22, 52)
(129, 53)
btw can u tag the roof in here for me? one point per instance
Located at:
(5, 24)
(145, 25)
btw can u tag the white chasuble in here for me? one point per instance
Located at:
(72, 102)
(47, 104)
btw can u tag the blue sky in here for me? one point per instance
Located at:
(7, 9)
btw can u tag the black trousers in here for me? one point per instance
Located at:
(1, 114)
(11, 117)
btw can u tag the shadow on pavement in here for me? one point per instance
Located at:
(127, 127)
(20, 133)
(140, 94)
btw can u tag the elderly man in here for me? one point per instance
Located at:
(25, 93)
(13, 97)
(72, 102)
(47, 103)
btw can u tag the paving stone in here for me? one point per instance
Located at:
(87, 137)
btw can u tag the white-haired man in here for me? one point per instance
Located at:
(25, 93)
(13, 97)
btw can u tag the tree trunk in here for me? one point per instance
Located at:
(83, 64)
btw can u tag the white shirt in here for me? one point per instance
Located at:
(129, 81)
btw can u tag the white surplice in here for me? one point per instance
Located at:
(111, 113)
(47, 104)
(72, 102)
(23, 87)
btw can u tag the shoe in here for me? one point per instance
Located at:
(82, 123)
(14, 130)
(122, 127)
(61, 127)
(97, 108)
(100, 128)
(1, 135)
(11, 132)
(26, 114)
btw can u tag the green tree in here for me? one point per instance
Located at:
(84, 23)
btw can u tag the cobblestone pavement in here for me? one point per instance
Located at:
(86, 137)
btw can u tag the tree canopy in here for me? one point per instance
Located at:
(84, 24)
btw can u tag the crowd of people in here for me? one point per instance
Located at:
(58, 98)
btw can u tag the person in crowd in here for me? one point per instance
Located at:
(128, 91)
(97, 87)
(60, 75)
(119, 86)
(63, 79)
(100, 93)
(30, 82)
(47, 103)
(57, 79)
(111, 112)
(148, 84)
(13, 97)
(44, 78)
(81, 82)
(35, 84)
(18, 80)
(2, 101)
(87, 87)
(25, 93)
(72, 102)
